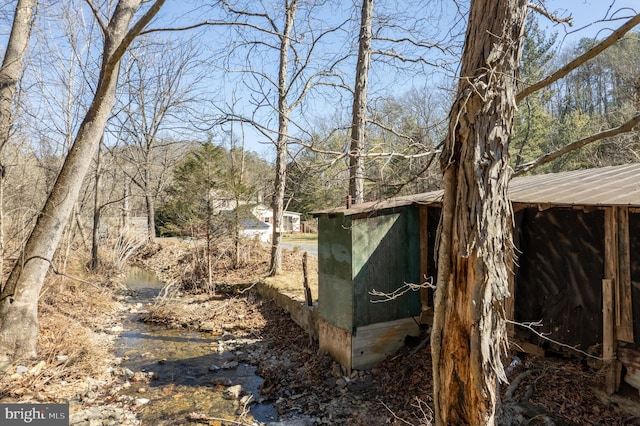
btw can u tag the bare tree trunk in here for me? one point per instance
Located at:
(95, 231)
(210, 286)
(359, 113)
(83, 235)
(125, 209)
(475, 252)
(19, 297)
(12, 64)
(281, 143)
(9, 76)
(278, 210)
(239, 183)
(151, 216)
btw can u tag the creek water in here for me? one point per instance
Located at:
(189, 371)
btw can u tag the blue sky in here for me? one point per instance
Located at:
(584, 13)
(587, 13)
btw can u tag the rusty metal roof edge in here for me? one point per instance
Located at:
(433, 197)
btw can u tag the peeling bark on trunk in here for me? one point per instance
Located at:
(19, 297)
(475, 250)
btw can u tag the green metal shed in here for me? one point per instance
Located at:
(577, 236)
(370, 247)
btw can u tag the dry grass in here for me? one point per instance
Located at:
(73, 350)
(174, 261)
(300, 238)
(291, 281)
(183, 263)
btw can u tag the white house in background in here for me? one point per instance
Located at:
(291, 220)
(252, 227)
(258, 224)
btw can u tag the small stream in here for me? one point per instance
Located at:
(189, 371)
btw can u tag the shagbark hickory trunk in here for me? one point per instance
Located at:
(475, 251)
(19, 297)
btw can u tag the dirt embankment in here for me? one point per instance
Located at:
(79, 316)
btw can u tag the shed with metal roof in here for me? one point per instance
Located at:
(578, 242)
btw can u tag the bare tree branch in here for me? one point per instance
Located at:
(209, 24)
(415, 43)
(136, 29)
(399, 292)
(562, 72)
(626, 127)
(341, 154)
(402, 58)
(550, 16)
(96, 14)
(530, 326)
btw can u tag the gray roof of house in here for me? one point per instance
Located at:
(606, 186)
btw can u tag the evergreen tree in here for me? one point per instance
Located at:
(533, 121)
(198, 190)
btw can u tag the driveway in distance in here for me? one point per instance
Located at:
(306, 242)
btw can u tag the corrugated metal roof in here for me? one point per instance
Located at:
(606, 186)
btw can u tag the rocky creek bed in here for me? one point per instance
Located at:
(80, 363)
(308, 388)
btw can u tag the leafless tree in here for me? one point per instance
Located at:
(280, 38)
(394, 40)
(9, 76)
(161, 84)
(359, 111)
(60, 78)
(19, 296)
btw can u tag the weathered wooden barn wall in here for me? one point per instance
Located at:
(559, 276)
(634, 249)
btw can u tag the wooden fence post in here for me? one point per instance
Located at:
(608, 337)
(307, 290)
